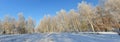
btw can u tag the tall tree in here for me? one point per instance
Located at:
(21, 24)
(61, 16)
(1, 27)
(8, 25)
(86, 12)
(73, 21)
(30, 25)
(113, 8)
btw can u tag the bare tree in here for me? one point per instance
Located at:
(30, 25)
(1, 27)
(21, 24)
(86, 12)
(74, 21)
(104, 17)
(109, 15)
(61, 20)
(8, 25)
(44, 25)
(113, 8)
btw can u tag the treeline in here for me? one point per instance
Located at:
(87, 18)
(10, 25)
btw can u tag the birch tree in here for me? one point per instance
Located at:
(61, 20)
(86, 12)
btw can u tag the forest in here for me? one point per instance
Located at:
(105, 17)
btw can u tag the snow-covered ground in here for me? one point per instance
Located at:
(62, 37)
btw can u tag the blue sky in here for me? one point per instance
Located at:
(37, 8)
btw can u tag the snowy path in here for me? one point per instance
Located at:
(60, 37)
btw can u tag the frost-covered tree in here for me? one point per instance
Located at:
(86, 13)
(21, 24)
(113, 8)
(30, 25)
(54, 24)
(8, 25)
(61, 15)
(1, 27)
(103, 17)
(44, 25)
(74, 21)
(108, 15)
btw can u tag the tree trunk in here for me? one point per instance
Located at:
(92, 26)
